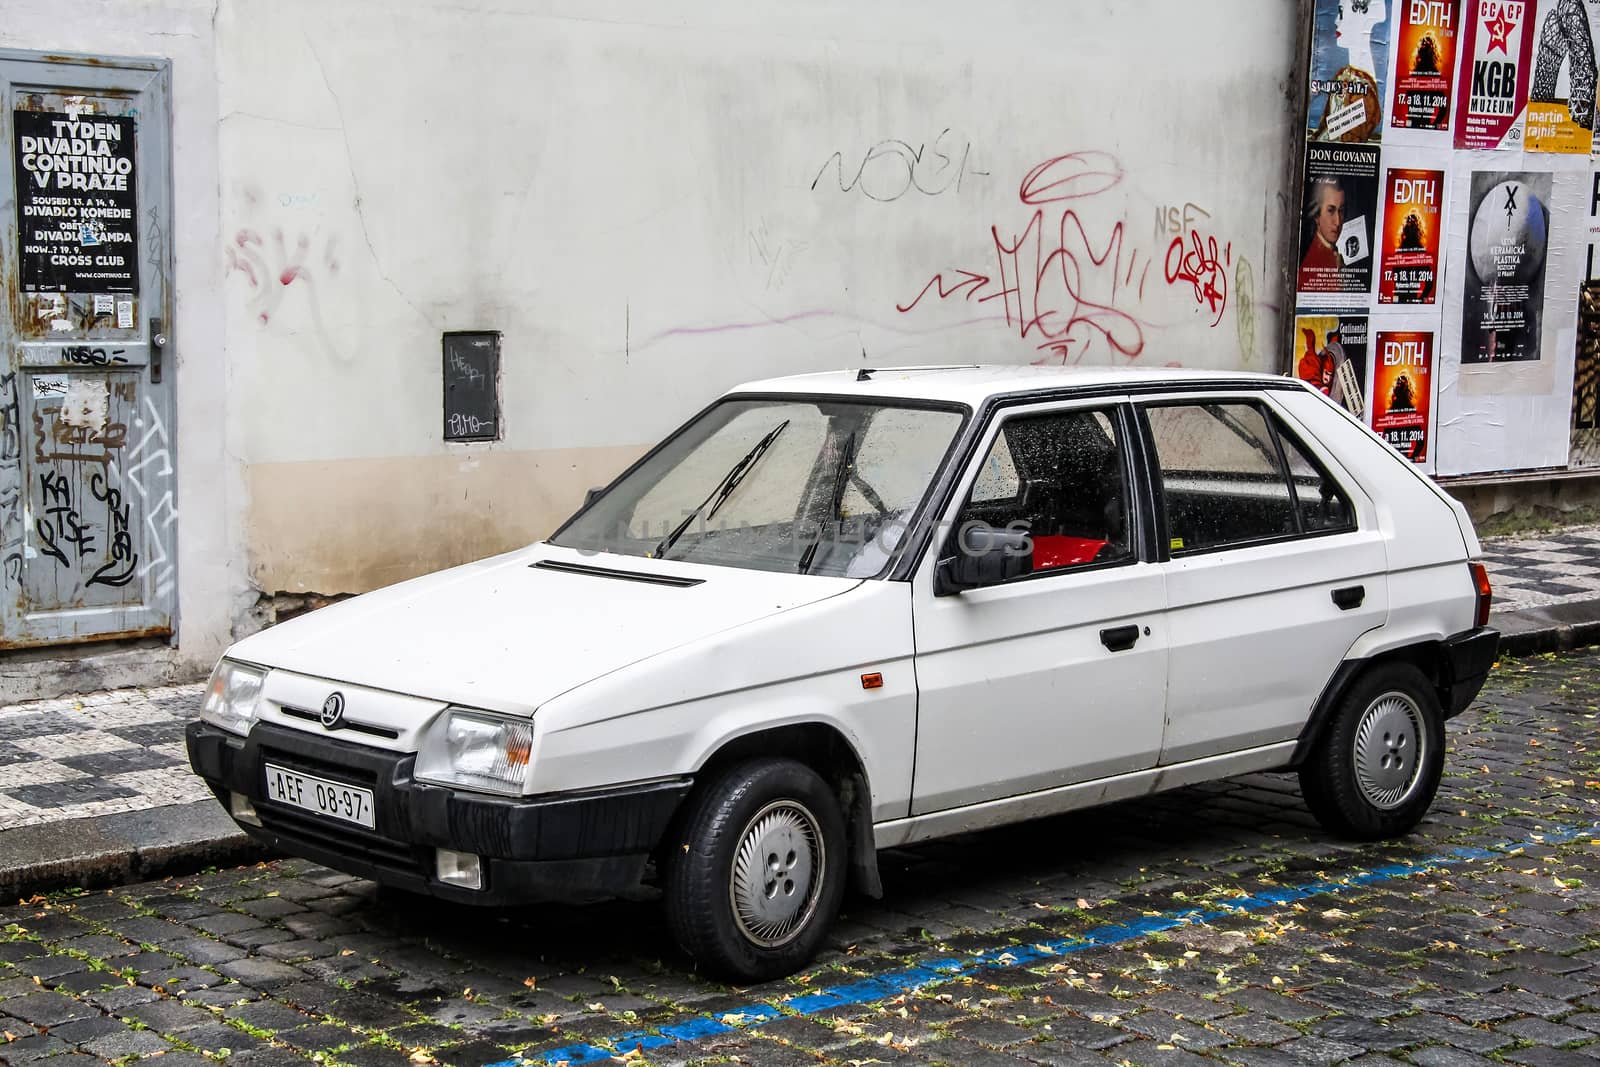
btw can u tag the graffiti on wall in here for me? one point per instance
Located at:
(10, 483)
(1068, 281)
(270, 266)
(893, 168)
(100, 508)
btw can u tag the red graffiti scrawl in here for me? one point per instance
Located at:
(1060, 288)
(1065, 288)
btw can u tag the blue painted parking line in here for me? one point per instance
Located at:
(940, 970)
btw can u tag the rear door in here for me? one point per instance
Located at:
(1275, 565)
(87, 512)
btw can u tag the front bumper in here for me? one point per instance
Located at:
(1468, 657)
(557, 847)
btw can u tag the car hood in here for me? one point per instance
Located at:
(511, 632)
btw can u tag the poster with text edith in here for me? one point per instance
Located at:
(1409, 262)
(1402, 390)
(1424, 62)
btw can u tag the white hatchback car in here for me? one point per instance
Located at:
(841, 612)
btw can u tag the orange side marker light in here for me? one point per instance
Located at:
(872, 681)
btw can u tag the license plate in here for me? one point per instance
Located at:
(308, 792)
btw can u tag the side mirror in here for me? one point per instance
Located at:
(591, 494)
(983, 555)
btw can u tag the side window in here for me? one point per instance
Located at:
(997, 481)
(1323, 506)
(1222, 482)
(1061, 477)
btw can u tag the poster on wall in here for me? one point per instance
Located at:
(1409, 260)
(1336, 222)
(1495, 69)
(1402, 390)
(1585, 451)
(1561, 95)
(76, 213)
(1349, 56)
(1424, 60)
(1507, 240)
(1332, 356)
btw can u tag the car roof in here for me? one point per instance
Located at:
(976, 383)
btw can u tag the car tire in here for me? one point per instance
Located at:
(1366, 778)
(756, 870)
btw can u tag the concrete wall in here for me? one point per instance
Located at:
(653, 203)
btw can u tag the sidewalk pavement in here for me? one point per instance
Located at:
(95, 789)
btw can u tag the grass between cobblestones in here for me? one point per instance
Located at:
(1486, 961)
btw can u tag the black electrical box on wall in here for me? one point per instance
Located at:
(472, 386)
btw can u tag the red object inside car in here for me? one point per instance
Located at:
(1061, 551)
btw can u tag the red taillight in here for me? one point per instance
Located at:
(1480, 582)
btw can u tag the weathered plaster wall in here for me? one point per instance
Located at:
(210, 571)
(654, 203)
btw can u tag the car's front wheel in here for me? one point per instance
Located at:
(1377, 767)
(755, 872)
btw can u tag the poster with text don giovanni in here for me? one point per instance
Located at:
(1402, 390)
(1493, 89)
(1425, 56)
(1507, 238)
(1336, 224)
(1410, 257)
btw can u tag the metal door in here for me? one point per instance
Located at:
(87, 479)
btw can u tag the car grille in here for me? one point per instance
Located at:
(332, 836)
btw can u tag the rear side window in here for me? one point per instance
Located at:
(1229, 476)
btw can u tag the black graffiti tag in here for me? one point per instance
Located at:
(60, 524)
(122, 552)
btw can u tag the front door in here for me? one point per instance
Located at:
(1057, 676)
(87, 504)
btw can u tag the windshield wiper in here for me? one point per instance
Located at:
(723, 490)
(841, 481)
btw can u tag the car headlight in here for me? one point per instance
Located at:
(478, 750)
(232, 696)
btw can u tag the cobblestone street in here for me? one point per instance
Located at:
(1213, 922)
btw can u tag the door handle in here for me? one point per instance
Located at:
(1119, 638)
(1349, 597)
(158, 343)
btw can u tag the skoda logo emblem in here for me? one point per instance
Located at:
(333, 711)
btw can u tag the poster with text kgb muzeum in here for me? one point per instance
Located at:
(1425, 56)
(1409, 261)
(1508, 236)
(1402, 390)
(1495, 68)
(76, 209)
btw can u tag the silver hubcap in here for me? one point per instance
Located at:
(776, 873)
(1389, 750)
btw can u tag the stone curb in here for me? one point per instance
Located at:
(122, 847)
(1556, 628)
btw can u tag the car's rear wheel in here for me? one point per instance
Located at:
(1377, 767)
(755, 873)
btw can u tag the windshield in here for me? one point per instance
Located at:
(802, 486)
